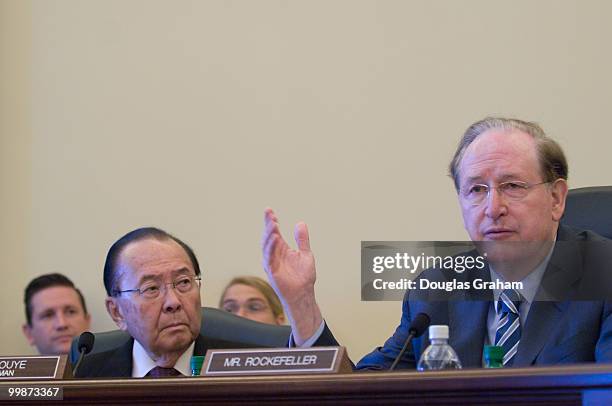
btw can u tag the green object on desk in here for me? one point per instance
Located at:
(196, 365)
(494, 356)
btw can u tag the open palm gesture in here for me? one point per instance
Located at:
(292, 274)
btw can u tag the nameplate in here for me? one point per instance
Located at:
(34, 367)
(275, 361)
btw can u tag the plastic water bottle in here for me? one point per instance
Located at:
(439, 355)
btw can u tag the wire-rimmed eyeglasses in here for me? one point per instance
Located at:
(514, 190)
(153, 290)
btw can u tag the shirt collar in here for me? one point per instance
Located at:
(142, 363)
(531, 282)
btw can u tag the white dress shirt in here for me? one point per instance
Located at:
(531, 284)
(142, 363)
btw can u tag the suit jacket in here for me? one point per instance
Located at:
(118, 362)
(569, 321)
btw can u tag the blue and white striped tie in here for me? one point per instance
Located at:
(508, 332)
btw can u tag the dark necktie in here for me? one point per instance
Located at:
(508, 332)
(160, 372)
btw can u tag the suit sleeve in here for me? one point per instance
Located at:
(382, 357)
(603, 349)
(326, 339)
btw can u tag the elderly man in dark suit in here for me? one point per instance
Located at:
(511, 182)
(152, 280)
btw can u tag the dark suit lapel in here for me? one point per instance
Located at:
(119, 363)
(543, 318)
(467, 325)
(468, 321)
(552, 299)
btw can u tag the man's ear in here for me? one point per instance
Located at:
(280, 319)
(114, 310)
(559, 194)
(27, 332)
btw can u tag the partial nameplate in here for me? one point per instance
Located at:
(34, 367)
(276, 361)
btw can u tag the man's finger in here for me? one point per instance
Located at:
(269, 256)
(270, 229)
(301, 236)
(273, 252)
(269, 215)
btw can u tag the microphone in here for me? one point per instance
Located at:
(86, 343)
(417, 328)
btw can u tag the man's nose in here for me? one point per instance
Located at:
(61, 322)
(172, 301)
(496, 205)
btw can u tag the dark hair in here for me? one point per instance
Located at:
(553, 164)
(43, 282)
(110, 277)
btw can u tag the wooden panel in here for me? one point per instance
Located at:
(520, 386)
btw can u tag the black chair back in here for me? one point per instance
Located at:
(590, 208)
(216, 325)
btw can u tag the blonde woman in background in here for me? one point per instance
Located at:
(253, 298)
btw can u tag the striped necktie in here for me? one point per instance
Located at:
(508, 332)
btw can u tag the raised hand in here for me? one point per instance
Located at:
(292, 274)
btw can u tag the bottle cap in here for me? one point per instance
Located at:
(196, 363)
(439, 331)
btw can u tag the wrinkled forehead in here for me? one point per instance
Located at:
(153, 259)
(500, 155)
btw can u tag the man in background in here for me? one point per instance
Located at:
(55, 313)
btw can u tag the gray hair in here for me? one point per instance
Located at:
(553, 164)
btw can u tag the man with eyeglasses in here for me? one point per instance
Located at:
(511, 182)
(152, 280)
